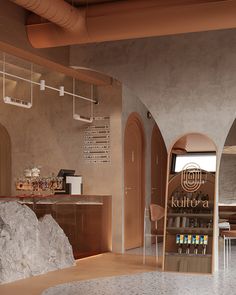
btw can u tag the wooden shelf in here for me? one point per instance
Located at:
(198, 215)
(187, 255)
(189, 230)
(181, 213)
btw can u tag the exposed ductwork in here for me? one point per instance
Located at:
(58, 12)
(124, 20)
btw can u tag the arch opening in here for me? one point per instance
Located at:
(190, 205)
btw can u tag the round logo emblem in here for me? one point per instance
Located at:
(191, 177)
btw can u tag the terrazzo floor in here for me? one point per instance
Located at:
(159, 283)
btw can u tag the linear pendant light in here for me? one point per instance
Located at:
(15, 101)
(79, 117)
(42, 86)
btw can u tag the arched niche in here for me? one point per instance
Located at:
(190, 205)
(5, 162)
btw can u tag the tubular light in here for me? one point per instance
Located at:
(79, 117)
(17, 102)
(42, 86)
(82, 118)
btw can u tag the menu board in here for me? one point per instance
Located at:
(97, 141)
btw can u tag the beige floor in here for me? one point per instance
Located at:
(103, 265)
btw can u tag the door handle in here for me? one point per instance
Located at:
(128, 189)
(153, 189)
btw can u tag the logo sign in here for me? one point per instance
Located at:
(188, 203)
(191, 177)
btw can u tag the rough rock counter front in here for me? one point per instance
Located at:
(85, 220)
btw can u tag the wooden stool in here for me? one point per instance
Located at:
(228, 236)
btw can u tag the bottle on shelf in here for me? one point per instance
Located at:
(177, 221)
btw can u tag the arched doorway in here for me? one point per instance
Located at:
(158, 167)
(5, 162)
(190, 211)
(158, 173)
(133, 182)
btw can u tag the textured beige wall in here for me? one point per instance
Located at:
(47, 135)
(227, 179)
(231, 137)
(187, 81)
(227, 173)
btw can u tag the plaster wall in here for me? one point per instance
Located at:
(227, 176)
(231, 138)
(46, 135)
(187, 82)
(227, 173)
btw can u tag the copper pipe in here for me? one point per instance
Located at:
(136, 19)
(56, 11)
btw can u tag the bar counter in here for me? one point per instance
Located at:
(227, 212)
(85, 219)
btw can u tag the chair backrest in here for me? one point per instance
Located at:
(156, 212)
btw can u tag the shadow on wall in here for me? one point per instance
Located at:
(227, 175)
(5, 162)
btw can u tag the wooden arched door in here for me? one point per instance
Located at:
(158, 167)
(133, 182)
(5, 162)
(158, 172)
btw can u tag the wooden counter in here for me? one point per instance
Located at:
(85, 219)
(227, 212)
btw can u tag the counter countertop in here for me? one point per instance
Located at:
(57, 199)
(52, 196)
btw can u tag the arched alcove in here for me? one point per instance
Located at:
(190, 205)
(5, 162)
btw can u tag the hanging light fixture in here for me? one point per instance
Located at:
(79, 117)
(15, 101)
(43, 86)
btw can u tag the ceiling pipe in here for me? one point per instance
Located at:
(128, 20)
(58, 12)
